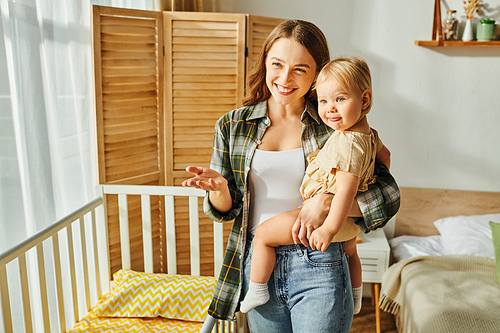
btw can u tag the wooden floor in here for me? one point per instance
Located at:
(364, 322)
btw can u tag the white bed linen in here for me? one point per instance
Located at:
(406, 247)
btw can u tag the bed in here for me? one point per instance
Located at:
(59, 280)
(445, 250)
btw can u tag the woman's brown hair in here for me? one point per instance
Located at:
(305, 33)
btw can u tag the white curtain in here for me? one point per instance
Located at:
(47, 141)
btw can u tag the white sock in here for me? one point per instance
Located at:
(357, 294)
(257, 295)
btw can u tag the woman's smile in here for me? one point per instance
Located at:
(283, 90)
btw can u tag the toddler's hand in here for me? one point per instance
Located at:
(320, 239)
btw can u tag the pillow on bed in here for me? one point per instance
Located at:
(138, 294)
(495, 230)
(468, 234)
(406, 247)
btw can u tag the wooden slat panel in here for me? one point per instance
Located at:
(206, 54)
(197, 107)
(129, 95)
(205, 70)
(204, 48)
(193, 123)
(120, 46)
(208, 115)
(128, 62)
(127, 38)
(202, 40)
(105, 55)
(128, 30)
(259, 28)
(128, 87)
(206, 93)
(131, 144)
(127, 21)
(122, 82)
(116, 121)
(221, 51)
(129, 112)
(143, 111)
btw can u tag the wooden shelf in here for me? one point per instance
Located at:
(437, 34)
(456, 43)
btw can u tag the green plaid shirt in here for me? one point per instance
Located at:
(237, 135)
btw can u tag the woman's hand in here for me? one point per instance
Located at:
(212, 181)
(205, 179)
(311, 216)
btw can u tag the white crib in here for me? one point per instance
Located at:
(37, 295)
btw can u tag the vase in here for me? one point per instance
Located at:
(484, 31)
(467, 36)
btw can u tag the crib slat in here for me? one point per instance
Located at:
(147, 237)
(4, 289)
(170, 226)
(69, 233)
(43, 287)
(194, 235)
(124, 231)
(23, 272)
(85, 263)
(59, 287)
(96, 254)
(218, 247)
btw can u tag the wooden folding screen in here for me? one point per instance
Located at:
(162, 80)
(129, 112)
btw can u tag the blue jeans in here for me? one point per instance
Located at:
(310, 292)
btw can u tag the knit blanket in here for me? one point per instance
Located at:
(456, 293)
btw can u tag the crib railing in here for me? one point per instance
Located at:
(19, 255)
(79, 245)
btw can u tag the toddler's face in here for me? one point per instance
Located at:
(338, 108)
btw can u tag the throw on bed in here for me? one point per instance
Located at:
(455, 293)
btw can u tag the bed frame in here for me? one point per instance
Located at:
(79, 238)
(420, 207)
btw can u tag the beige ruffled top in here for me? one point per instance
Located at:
(347, 151)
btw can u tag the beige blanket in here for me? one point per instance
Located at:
(453, 294)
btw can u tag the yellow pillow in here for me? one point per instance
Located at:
(138, 294)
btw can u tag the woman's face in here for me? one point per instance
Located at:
(290, 71)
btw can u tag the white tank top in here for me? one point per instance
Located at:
(274, 179)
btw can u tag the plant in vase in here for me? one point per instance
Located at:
(484, 31)
(470, 7)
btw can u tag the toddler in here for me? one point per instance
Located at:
(343, 167)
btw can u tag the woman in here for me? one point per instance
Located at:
(257, 166)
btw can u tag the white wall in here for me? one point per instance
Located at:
(437, 109)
